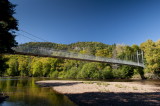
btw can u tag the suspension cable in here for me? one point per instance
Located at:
(33, 35)
(25, 36)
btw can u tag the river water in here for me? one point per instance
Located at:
(24, 92)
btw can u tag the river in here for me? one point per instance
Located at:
(24, 92)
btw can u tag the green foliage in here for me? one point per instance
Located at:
(46, 67)
(63, 68)
(54, 74)
(152, 55)
(13, 67)
(123, 72)
(117, 73)
(61, 74)
(37, 69)
(68, 64)
(3, 66)
(128, 71)
(45, 45)
(23, 65)
(107, 73)
(89, 70)
(72, 73)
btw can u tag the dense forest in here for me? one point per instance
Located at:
(18, 65)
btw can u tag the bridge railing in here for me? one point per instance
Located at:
(64, 53)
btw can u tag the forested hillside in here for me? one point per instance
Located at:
(19, 65)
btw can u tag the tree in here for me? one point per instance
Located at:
(2, 65)
(8, 24)
(89, 71)
(13, 67)
(104, 53)
(23, 65)
(46, 66)
(107, 73)
(152, 55)
(37, 69)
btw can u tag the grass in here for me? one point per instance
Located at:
(98, 83)
(106, 84)
(120, 86)
(103, 83)
(88, 82)
(135, 88)
(107, 90)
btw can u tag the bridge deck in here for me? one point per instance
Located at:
(82, 59)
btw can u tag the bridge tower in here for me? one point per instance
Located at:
(140, 57)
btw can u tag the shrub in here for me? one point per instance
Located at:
(54, 74)
(72, 73)
(106, 73)
(89, 70)
(123, 72)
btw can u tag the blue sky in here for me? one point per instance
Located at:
(107, 21)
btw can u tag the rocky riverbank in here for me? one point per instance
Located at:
(106, 93)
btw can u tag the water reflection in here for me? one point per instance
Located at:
(24, 92)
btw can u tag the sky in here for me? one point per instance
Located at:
(68, 21)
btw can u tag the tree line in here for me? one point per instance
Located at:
(19, 65)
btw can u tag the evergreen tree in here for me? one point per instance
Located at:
(8, 24)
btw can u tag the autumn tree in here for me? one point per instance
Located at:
(152, 55)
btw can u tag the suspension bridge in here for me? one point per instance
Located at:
(48, 52)
(64, 54)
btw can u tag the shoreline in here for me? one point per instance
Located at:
(106, 93)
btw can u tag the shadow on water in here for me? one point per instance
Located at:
(57, 84)
(24, 92)
(116, 99)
